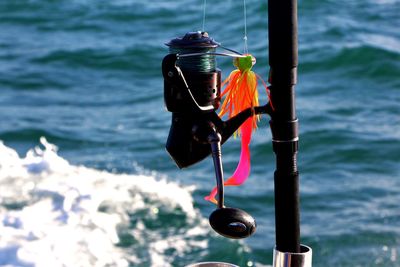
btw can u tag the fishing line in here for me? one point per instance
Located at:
(230, 50)
(197, 59)
(204, 14)
(203, 59)
(210, 53)
(245, 28)
(193, 60)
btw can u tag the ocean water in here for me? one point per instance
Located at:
(84, 176)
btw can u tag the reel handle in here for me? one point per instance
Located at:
(229, 222)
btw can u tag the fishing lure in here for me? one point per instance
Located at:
(240, 93)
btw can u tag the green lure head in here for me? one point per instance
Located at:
(244, 63)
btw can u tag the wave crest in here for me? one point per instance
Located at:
(53, 213)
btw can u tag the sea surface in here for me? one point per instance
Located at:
(84, 176)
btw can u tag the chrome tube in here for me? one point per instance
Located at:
(288, 259)
(212, 264)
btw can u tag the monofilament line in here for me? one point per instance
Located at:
(204, 15)
(245, 27)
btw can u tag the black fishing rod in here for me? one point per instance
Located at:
(283, 61)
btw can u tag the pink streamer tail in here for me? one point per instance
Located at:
(243, 169)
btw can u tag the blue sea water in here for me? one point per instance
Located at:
(84, 76)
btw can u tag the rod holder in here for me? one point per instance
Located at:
(289, 259)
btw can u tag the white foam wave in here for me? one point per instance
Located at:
(54, 214)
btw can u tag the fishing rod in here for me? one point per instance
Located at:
(192, 92)
(283, 61)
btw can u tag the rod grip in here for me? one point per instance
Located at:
(287, 217)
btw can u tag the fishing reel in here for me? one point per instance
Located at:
(192, 92)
